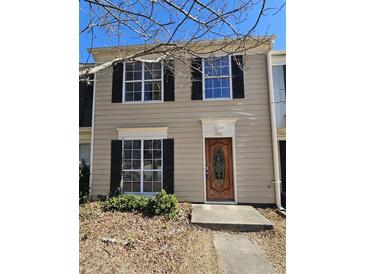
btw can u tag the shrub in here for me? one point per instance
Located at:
(165, 204)
(162, 204)
(126, 203)
(83, 198)
(84, 175)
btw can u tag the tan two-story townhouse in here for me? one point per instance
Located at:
(201, 130)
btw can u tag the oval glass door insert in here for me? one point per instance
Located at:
(218, 166)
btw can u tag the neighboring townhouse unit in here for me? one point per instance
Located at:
(202, 131)
(279, 83)
(85, 117)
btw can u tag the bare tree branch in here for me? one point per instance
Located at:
(281, 7)
(175, 29)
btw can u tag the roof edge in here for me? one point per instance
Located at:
(272, 38)
(278, 52)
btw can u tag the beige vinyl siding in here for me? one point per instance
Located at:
(254, 167)
(84, 135)
(278, 57)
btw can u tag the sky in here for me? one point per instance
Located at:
(272, 24)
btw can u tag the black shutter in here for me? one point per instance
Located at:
(196, 76)
(168, 165)
(169, 81)
(86, 102)
(116, 167)
(117, 83)
(237, 77)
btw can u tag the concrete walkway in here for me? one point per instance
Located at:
(238, 254)
(243, 218)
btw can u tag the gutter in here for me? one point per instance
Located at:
(275, 150)
(92, 139)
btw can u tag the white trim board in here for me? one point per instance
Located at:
(218, 127)
(92, 139)
(142, 133)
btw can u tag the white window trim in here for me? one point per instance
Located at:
(230, 80)
(143, 81)
(144, 133)
(142, 165)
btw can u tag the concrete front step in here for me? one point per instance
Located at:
(230, 217)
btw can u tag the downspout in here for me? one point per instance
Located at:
(92, 138)
(275, 150)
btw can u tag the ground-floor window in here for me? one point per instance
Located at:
(142, 166)
(84, 153)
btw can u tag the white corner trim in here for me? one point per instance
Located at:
(142, 133)
(218, 127)
(91, 179)
(275, 149)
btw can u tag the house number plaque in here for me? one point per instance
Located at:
(218, 130)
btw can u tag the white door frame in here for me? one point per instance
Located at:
(220, 128)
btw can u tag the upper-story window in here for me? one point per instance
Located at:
(143, 82)
(217, 78)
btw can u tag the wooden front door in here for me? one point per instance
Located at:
(219, 169)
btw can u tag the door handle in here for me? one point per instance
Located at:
(206, 173)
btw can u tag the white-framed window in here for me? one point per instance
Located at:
(84, 153)
(217, 78)
(143, 82)
(142, 165)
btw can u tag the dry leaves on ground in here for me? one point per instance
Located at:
(273, 241)
(116, 242)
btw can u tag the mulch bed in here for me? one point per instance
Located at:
(273, 241)
(116, 242)
(131, 243)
